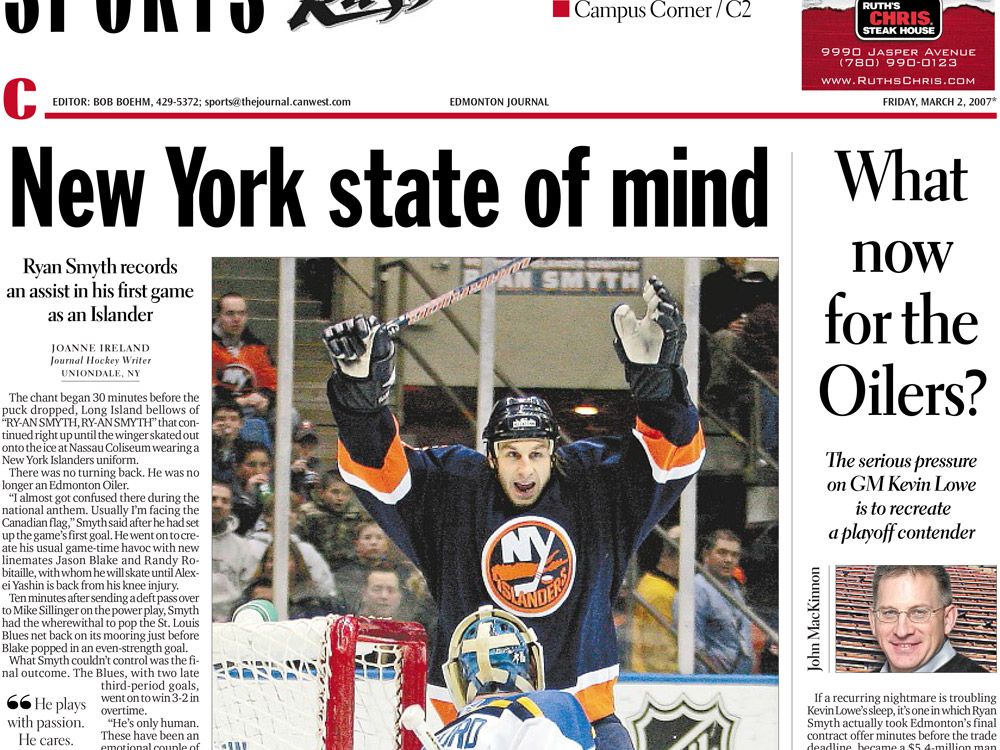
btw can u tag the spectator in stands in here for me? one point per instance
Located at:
(305, 444)
(759, 344)
(372, 549)
(760, 563)
(242, 367)
(252, 483)
(306, 596)
(722, 632)
(305, 462)
(330, 520)
(912, 614)
(654, 636)
(262, 537)
(758, 347)
(728, 296)
(232, 561)
(382, 595)
(730, 292)
(386, 593)
(227, 421)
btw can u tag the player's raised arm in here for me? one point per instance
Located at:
(364, 363)
(370, 455)
(389, 477)
(650, 347)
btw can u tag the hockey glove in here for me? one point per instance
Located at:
(651, 347)
(363, 355)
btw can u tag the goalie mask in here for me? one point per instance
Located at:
(492, 651)
(519, 418)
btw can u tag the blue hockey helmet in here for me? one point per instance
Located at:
(519, 418)
(492, 651)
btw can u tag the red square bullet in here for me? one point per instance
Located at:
(560, 8)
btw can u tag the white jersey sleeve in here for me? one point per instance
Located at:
(548, 719)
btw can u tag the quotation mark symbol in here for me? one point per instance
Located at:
(13, 702)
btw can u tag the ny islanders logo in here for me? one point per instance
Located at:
(237, 378)
(529, 565)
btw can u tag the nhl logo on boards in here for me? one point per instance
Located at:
(683, 725)
(893, 20)
(528, 566)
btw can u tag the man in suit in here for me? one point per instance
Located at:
(912, 614)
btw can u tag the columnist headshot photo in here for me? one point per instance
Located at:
(913, 612)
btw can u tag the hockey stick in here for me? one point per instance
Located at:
(413, 719)
(532, 585)
(447, 299)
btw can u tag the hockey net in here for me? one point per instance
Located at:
(327, 683)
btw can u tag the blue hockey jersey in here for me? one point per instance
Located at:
(557, 564)
(548, 719)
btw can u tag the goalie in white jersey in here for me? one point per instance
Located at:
(496, 675)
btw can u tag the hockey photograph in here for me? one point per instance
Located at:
(495, 503)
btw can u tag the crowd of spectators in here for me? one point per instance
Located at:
(739, 313)
(340, 560)
(727, 641)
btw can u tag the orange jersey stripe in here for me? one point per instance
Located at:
(598, 700)
(445, 710)
(388, 482)
(670, 461)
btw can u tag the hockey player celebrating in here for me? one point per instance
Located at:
(495, 672)
(539, 531)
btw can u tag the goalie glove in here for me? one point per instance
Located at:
(650, 347)
(364, 361)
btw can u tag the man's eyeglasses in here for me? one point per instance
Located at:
(915, 615)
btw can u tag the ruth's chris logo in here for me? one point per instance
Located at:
(892, 20)
(335, 12)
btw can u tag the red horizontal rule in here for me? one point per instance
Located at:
(833, 58)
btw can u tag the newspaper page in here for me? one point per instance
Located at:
(264, 170)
